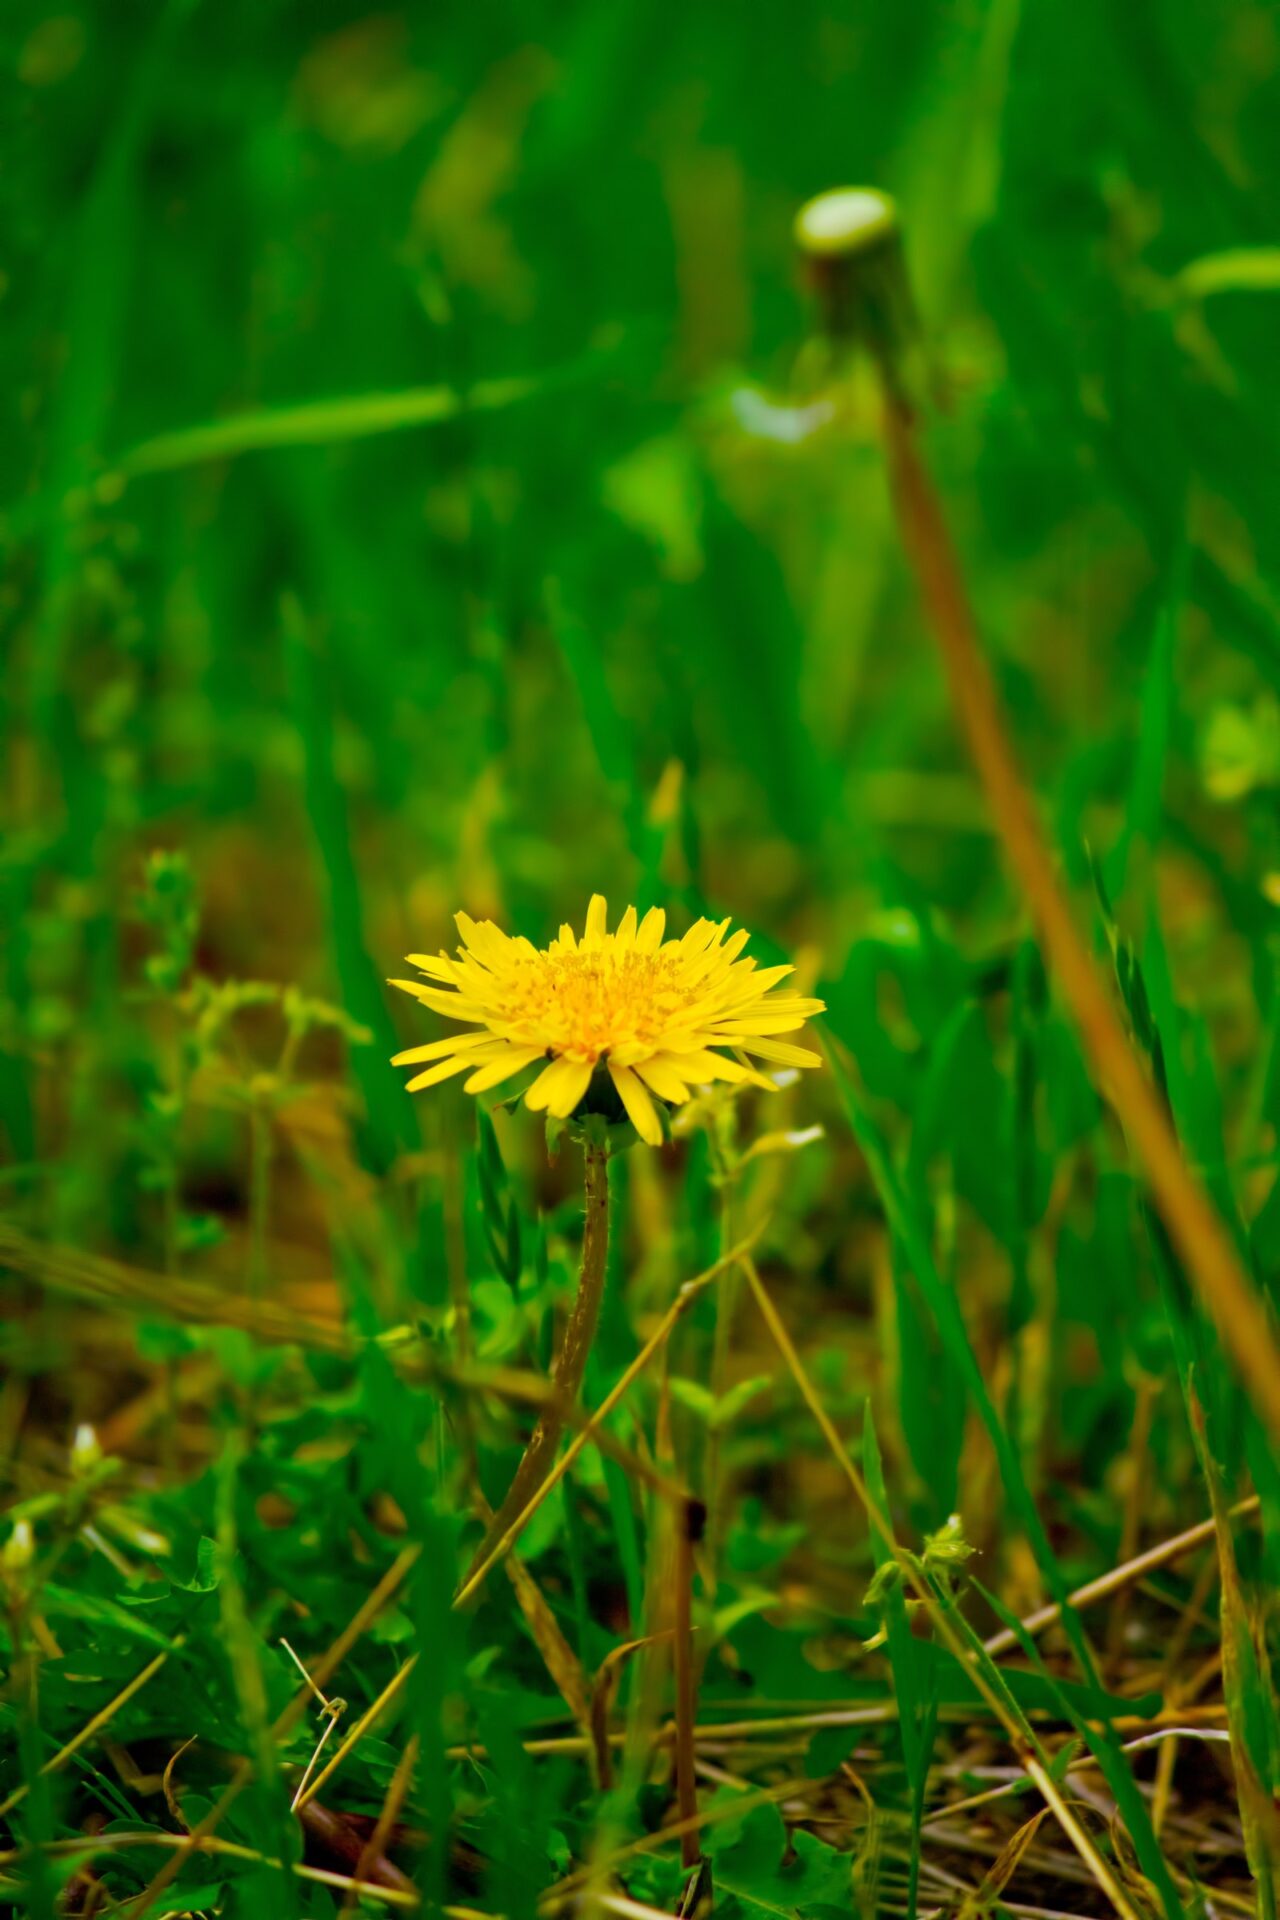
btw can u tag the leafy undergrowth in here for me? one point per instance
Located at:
(247, 1672)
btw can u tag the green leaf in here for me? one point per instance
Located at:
(109, 1616)
(348, 417)
(692, 1394)
(1235, 270)
(206, 1574)
(748, 1864)
(736, 1400)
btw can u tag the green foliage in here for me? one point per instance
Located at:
(422, 490)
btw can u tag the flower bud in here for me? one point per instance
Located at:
(948, 1546)
(851, 242)
(19, 1550)
(86, 1450)
(845, 221)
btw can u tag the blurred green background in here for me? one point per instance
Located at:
(605, 621)
(522, 615)
(554, 597)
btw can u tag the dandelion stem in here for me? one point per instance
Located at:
(571, 1361)
(1194, 1225)
(722, 1343)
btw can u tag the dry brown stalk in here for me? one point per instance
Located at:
(1116, 1577)
(1206, 1248)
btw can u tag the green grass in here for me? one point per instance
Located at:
(405, 509)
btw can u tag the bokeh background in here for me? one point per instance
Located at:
(607, 628)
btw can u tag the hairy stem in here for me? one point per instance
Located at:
(726, 1311)
(571, 1361)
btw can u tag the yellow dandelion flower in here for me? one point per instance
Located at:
(659, 1016)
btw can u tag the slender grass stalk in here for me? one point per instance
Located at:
(394, 1687)
(356, 416)
(371, 1852)
(949, 1624)
(215, 1845)
(242, 1648)
(571, 1361)
(25, 1689)
(689, 1526)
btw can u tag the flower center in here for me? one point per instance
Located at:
(584, 1003)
